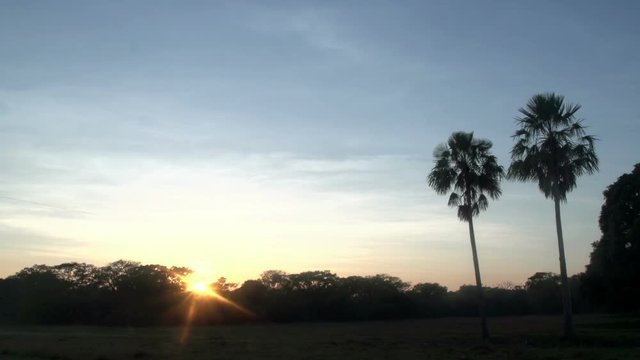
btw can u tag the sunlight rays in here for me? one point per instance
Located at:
(200, 295)
(201, 289)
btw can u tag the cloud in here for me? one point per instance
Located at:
(32, 243)
(318, 27)
(321, 30)
(22, 247)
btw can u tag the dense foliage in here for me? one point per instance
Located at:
(613, 275)
(128, 293)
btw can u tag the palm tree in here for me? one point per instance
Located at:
(466, 165)
(553, 149)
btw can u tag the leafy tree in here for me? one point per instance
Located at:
(276, 279)
(544, 292)
(613, 275)
(38, 295)
(552, 148)
(542, 279)
(429, 297)
(311, 280)
(467, 166)
(253, 294)
(376, 297)
(79, 274)
(429, 290)
(223, 287)
(507, 301)
(110, 275)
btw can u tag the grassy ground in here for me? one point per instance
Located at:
(599, 337)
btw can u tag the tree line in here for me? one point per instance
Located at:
(127, 293)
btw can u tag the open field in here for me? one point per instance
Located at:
(599, 337)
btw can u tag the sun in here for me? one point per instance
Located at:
(200, 287)
(197, 286)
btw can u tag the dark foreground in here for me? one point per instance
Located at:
(599, 337)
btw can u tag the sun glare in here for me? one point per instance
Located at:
(199, 287)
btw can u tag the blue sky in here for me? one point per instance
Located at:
(237, 137)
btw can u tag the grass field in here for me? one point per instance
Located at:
(598, 337)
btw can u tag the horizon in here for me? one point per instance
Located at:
(236, 138)
(203, 280)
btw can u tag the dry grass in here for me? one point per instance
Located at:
(599, 337)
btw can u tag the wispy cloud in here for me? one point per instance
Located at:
(30, 242)
(12, 205)
(319, 27)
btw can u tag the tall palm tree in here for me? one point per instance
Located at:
(466, 166)
(552, 148)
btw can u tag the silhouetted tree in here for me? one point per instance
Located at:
(467, 166)
(253, 294)
(544, 292)
(429, 290)
(110, 275)
(38, 295)
(143, 295)
(464, 301)
(275, 279)
(221, 286)
(613, 275)
(552, 148)
(507, 301)
(376, 297)
(79, 274)
(310, 280)
(429, 298)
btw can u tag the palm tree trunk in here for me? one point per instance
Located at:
(476, 266)
(566, 292)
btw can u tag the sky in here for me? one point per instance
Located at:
(235, 137)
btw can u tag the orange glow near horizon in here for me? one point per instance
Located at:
(200, 288)
(200, 282)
